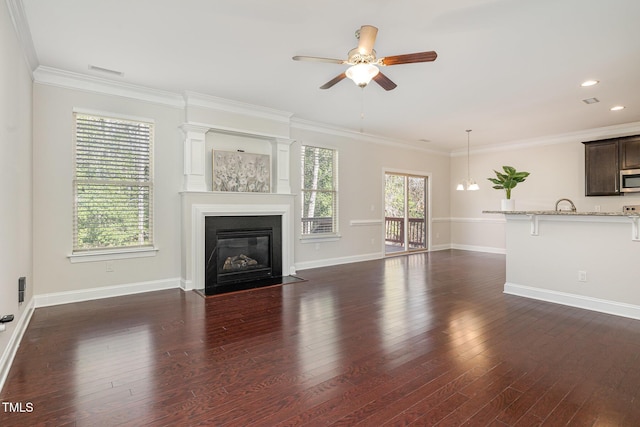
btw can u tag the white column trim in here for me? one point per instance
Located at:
(194, 157)
(282, 154)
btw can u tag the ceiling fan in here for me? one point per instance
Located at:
(364, 63)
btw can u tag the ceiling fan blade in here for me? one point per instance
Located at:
(409, 58)
(317, 59)
(333, 81)
(385, 82)
(367, 36)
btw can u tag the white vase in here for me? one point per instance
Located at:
(508, 205)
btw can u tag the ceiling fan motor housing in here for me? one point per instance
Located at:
(355, 57)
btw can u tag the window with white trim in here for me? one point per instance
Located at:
(319, 193)
(113, 187)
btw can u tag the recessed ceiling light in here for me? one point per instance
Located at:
(588, 83)
(590, 100)
(617, 108)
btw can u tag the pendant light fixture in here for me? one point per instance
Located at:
(468, 184)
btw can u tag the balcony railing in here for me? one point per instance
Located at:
(317, 225)
(394, 231)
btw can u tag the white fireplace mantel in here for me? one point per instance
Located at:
(197, 206)
(195, 158)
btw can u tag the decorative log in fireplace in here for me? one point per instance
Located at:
(239, 262)
(242, 252)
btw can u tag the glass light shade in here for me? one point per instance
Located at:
(468, 185)
(361, 74)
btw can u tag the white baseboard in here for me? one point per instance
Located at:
(435, 248)
(486, 249)
(56, 298)
(573, 300)
(186, 285)
(378, 255)
(14, 342)
(337, 261)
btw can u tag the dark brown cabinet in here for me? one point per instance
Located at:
(602, 169)
(630, 152)
(603, 161)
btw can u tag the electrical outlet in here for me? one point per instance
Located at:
(597, 208)
(582, 276)
(109, 266)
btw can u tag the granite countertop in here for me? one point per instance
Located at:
(569, 213)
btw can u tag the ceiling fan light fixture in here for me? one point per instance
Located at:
(361, 74)
(363, 61)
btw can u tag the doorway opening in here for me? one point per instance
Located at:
(405, 213)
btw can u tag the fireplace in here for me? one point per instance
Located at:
(242, 252)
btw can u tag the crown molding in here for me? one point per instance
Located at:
(71, 80)
(309, 125)
(207, 127)
(21, 26)
(193, 99)
(614, 131)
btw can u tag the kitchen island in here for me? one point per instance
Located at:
(589, 260)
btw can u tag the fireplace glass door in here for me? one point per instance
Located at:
(243, 255)
(242, 252)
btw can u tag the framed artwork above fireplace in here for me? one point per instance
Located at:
(238, 171)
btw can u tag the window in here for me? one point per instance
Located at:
(112, 183)
(319, 191)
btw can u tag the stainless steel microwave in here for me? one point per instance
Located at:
(630, 181)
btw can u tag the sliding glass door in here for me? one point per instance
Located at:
(405, 212)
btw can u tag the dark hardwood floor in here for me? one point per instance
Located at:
(428, 339)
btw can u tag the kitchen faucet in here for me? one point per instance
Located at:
(573, 207)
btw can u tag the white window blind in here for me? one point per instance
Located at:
(113, 188)
(319, 191)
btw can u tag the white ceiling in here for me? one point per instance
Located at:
(508, 69)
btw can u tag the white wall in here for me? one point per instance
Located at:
(53, 193)
(546, 265)
(361, 169)
(15, 185)
(362, 162)
(556, 165)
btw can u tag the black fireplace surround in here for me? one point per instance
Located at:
(242, 252)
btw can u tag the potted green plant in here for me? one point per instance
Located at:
(507, 181)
